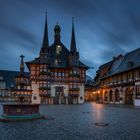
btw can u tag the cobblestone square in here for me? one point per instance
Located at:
(76, 122)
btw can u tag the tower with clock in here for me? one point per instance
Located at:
(57, 75)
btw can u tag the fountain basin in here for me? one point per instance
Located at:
(20, 112)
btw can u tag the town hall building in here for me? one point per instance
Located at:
(57, 76)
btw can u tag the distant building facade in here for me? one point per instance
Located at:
(57, 76)
(89, 88)
(118, 81)
(13, 86)
(4, 92)
(6, 83)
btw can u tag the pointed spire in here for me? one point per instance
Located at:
(57, 31)
(22, 64)
(45, 38)
(73, 42)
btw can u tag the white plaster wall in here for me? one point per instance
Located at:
(81, 94)
(52, 90)
(28, 87)
(35, 88)
(123, 95)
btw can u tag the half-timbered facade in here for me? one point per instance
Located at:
(57, 75)
(118, 81)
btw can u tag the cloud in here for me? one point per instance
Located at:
(103, 28)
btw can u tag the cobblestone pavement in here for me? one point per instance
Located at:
(76, 122)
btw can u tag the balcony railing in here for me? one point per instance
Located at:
(23, 95)
(74, 89)
(44, 94)
(55, 79)
(120, 82)
(73, 94)
(45, 73)
(74, 75)
(44, 88)
(22, 82)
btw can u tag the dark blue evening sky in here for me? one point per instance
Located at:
(104, 28)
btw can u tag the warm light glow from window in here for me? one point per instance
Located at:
(98, 91)
(58, 49)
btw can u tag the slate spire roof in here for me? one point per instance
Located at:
(54, 57)
(22, 64)
(73, 42)
(45, 49)
(121, 64)
(45, 38)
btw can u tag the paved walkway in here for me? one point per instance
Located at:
(76, 122)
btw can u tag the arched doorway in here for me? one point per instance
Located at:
(117, 95)
(110, 96)
(59, 95)
(129, 96)
(106, 96)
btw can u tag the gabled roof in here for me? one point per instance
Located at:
(81, 64)
(124, 63)
(36, 60)
(116, 63)
(73, 41)
(130, 61)
(106, 64)
(51, 57)
(63, 56)
(104, 69)
(108, 68)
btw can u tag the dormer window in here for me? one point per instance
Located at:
(56, 62)
(130, 64)
(58, 49)
(74, 72)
